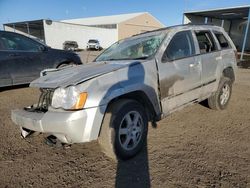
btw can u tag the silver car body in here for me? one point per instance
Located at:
(168, 86)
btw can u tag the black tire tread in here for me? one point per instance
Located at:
(213, 102)
(107, 133)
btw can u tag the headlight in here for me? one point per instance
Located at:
(69, 98)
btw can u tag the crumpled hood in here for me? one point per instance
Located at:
(77, 74)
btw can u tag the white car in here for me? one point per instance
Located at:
(93, 44)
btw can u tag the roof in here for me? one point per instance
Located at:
(237, 12)
(102, 20)
(34, 24)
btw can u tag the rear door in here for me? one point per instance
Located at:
(179, 72)
(226, 50)
(21, 58)
(210, 57)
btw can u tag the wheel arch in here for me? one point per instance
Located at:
(140, 97)
(64, 62)
(229, 73)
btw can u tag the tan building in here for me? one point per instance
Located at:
(106, 29)
(125, 24)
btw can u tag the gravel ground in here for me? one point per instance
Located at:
(195, 147)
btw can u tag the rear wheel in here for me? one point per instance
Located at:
(220, 99)
(124, 129)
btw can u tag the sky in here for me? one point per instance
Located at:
(168, 12)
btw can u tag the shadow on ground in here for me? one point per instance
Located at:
(134, 172)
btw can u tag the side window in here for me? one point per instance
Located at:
(180, 46)
(222, 40)
(15, 42)
(2, 45)
(206, 42)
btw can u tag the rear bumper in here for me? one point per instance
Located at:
(67, 126)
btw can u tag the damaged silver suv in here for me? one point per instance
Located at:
(137, 80)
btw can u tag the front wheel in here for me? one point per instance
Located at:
(124, 129)
(220, 99)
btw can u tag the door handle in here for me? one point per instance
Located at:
(218, 58)
(14, 55)
(192, 65)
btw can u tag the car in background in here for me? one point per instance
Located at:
(22, 58)
(70, 45)
(93, 44)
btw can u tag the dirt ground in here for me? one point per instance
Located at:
(88, 56)
(195, 147)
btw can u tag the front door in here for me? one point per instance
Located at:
(179, 72)
(5, 78)
(21, 57)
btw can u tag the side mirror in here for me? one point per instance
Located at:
(166, 59)
(43, 48)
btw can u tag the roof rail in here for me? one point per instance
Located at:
(201, 24)
(164, 28)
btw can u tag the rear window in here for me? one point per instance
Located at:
(206, 42)
(222, 40)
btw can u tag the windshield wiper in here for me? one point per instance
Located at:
(142, 57)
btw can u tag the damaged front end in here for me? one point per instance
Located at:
(43, 103)
(65, 109)
(42, 106)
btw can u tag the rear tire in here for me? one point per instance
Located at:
(220, 99)
(124, 129)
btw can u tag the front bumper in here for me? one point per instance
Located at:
(93, 47)
(67, 126)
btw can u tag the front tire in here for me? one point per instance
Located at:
(124, 129)
(220, 99)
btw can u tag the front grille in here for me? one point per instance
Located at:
(44, 101)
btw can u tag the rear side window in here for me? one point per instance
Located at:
(222, 40)
(206, 42)
(180, 46)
